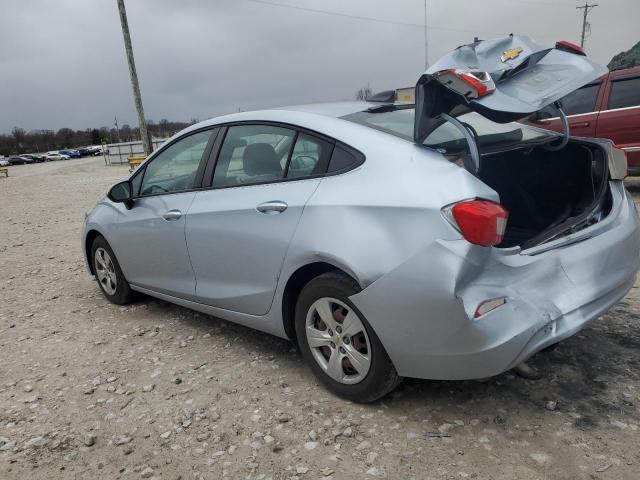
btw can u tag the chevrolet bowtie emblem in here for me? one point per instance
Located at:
(511, 54)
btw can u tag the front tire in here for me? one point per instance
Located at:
(108, 274)
(338, 343)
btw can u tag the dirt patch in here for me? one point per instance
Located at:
(93, 390)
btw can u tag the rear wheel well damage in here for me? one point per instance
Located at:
(91, 236)
(294, 286)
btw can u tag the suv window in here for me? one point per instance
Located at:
(582, 100)
(624, 93)
(253, 154)
(174, 169)
(310, 156)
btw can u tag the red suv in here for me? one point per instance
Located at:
(607, 108)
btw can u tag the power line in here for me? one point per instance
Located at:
(370, 19)
(586, 8)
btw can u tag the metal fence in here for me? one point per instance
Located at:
(119, 152)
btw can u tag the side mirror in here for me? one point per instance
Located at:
(121, 193)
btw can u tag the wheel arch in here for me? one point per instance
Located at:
(88, 242)
(296, 282)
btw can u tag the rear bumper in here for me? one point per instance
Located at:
(423, 310)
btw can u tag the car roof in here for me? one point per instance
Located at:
(330, 109)
(631, 72)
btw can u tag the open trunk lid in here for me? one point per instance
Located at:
(503, 79)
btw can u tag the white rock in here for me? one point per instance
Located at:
(374, 472)
(148, 388)
(88, 439)
(121, 440)
(301, 469)
(147, 472)
(310, 445)
(365, 444)
(540, 457)
(371, 458)
(36, 442)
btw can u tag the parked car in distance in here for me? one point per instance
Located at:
(56, 156)
(441, 241)
(70, 153)
(4, 162)
(606, 108)
(91, 150)
(34, 157)
(19, 160)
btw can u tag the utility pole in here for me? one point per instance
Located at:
(586, 8)
(426, 45)
(142, 121)
(117, 130)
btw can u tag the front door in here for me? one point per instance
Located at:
(238, 232)
(149, 238)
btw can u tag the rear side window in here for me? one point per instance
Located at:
(344, 158)
(582, 100)
(625, 93)
(310, 156)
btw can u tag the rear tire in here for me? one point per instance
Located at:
(108, 274)
(338, 343)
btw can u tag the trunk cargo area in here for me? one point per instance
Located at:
(548, 193)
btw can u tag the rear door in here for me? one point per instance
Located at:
(620, 119)
(238, 231)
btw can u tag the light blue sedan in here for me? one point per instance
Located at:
(435, 241)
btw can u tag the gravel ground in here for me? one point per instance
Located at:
(94, 390)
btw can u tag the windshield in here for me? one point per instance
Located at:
(490, 135)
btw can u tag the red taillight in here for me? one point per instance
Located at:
(470, 83)
(480, 221)
(570, 47)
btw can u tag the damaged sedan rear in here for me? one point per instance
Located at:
(439, 241)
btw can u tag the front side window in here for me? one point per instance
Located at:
(253, 154)
(625, 93)
(174, 169)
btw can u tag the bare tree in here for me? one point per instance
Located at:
(364, 92)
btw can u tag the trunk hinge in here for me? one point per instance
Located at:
(564, 121)
(469, 137)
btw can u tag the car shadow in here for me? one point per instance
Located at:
(579, 375)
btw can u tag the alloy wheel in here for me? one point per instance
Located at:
(338, 340)
(105, 271)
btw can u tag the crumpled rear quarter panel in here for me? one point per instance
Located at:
(423, 309)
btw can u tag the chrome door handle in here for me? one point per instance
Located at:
(172, 215)
(272, 207)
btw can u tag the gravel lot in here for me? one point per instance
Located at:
(94, 390)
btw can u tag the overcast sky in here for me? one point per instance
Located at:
(62, 62)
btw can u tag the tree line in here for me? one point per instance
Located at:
(21, 141)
